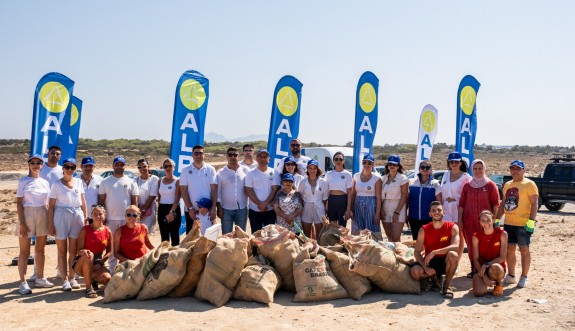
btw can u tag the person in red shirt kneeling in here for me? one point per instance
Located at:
(131, 240)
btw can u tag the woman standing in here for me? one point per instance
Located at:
(452, 185)
(394, 195)
(339, 183)
(148, 191)
(288, 205)
(94, 239)
(32, 207)
(66, 216)
(131, 240)
(423, 190)
(290, 167)
(169, 213)
(478, 195)
(314, 191)
(366, 198)
(489, 254)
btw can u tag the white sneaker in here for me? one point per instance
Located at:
(509, 280)
(43, 282)
(33, 277)
(76, 276)
(66, 286)
(74, 284)
(24, 288)
(522, 281)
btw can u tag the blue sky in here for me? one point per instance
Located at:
(127, 56)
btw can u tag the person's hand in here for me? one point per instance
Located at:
(23, 230)
(428, 257)
(395, 218)
(212, 214)
(481, 271)
(450, 200)
(429, 271)
(262, 206)
(382, 216)
(376, 219)
(85, 254)
(170, 217)
(348, 214)
(220, 213)
(51, 230)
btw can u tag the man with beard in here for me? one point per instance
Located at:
(91, 184)
(301, 160)
(232, 200)
(51, 171)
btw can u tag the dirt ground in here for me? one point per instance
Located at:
(552, 269)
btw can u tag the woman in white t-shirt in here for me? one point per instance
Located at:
(32, 207)
(66, 216)
(314, 192)
(339, 184)
(366, 198)
(394, 196)
(169, 212)
(148, 191)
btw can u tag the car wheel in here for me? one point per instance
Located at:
(554, 206)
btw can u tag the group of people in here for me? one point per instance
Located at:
(97, 219)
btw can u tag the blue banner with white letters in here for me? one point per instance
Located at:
(428, 123)
(466, 124)
(284, 121)
(190, 108)
(365, 117)
(51, 113)
(69, 150)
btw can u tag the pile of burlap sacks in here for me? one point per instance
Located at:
(253, 268)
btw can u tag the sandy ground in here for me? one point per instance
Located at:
(552, 269)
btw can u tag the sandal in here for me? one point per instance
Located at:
(497, 291)
(447, 294)
(95, 285)
(91, 294)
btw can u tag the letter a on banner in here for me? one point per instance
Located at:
(428, 123)
(51, 113)
(190, 108)
(284, 121)
(365, 116)
(466, 124)
(69, 150)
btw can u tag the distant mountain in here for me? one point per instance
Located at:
(213, 137)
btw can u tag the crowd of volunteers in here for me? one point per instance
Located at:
(98, 222)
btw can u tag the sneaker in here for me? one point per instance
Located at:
(32, 278)
(43, 282)
(24, 288)
(74, 284)
(76, 276)
(66, 286)
(509, 279)
(522, 281)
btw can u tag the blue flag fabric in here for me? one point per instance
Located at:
(190, 108)
(51, 113)
(366, 105)
(284, 121)
(69, 150)
(466, 124)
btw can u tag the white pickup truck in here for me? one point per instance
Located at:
(324, 156)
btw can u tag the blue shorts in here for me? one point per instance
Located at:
(517, 235)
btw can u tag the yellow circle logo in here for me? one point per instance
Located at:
(467, 99)
(428, 121)
(192, 94)
(54, 97)
(287, 101)
(367, 97)
(74, 116)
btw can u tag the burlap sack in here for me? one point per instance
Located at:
(241, 234)
(331, 234)
(166, 274)
(258, 282)
(355, 284)
(404, 252)
(192, 236)
(364, 235)
(130, 275)
(314, 280)
(224, 266)
(194, 268)
(382, 267)
(280, 247)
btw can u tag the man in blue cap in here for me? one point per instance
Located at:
(91, 184)
(520, 205)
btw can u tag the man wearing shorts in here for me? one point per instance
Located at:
(520, 205)
(439, 240)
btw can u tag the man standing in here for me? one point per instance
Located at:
(116, 193)
(198, 180)
(232, 201)
(520, 205)
(301, 160)
(248, 160)
(261, 186)
(439, 240)
(91, 184)
(51, 171)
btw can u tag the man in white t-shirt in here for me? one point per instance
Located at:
(91, 184)
(248, 161)
(232, 201)
(116, 193)
(198, 180)
(301, 160)
(51, 171)
(261, 186)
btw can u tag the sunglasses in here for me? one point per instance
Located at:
(198, 153)
(68, 167)
(295, 145)
(167, 166)
(453, 162)
(290, 164)
(132, 215)
(233, 155)
(338, 159)
(425, 167)
(392, 165)
(35, 163)
(367, 163)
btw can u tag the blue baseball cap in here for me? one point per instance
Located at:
(368, 157)
(288, 176)
(289, 159)
(120, 159)
(517, 163)
(35, 156)
(393, 159)
(454, 156)
(69, 160)
(313, 162)
(86, 160)
(262, 150)
(204, 203)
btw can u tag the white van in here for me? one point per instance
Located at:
(324, 156)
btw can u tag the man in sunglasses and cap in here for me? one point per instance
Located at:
(520, 205)
(91, 184)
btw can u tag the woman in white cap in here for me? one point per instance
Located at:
(366, 198)
(314, 191)
(32, 207)
(148, 191)
(66, 216)
(394, 195)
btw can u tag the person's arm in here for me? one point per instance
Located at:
(494, 198)
(21, 220)
(252, 195)
(147, 238)
(134, 199)
(106, 256)
(350, 201)
(271, 196)
(84, 209)
(51, 206)
(476, 263)
(214, 197)
(534, 200)
(187, 201)
(452, 247)
(402, 203)
(102, 199)
(499, 213)
(378, 184)
(117, 237)
(418, 250)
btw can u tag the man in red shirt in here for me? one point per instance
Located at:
(439, 241)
